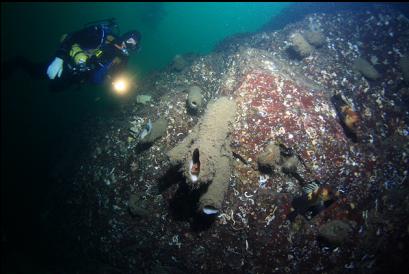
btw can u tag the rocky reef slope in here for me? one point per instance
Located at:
(344, 126)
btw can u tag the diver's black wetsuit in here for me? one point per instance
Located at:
(38, 71)
(110, 60)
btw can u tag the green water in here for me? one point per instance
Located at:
(37, 121)
(167, 28)
(193, 27)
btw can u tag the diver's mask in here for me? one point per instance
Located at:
(128, 45)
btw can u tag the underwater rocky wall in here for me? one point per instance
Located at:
(354, 190)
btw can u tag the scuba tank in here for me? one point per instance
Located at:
(79, 56)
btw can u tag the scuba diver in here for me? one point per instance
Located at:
(90, 55)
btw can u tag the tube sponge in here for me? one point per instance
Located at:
(194, 98)
(209, 146)
(366, 69)
(157, 130)
(300, 45)
(211, 201)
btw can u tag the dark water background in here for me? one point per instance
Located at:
(40, 129)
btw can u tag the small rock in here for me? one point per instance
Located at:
(143, 99)
(136, 208)
(336, 232)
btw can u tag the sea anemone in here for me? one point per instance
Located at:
(194, 165)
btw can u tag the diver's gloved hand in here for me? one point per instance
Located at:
(55, 68)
